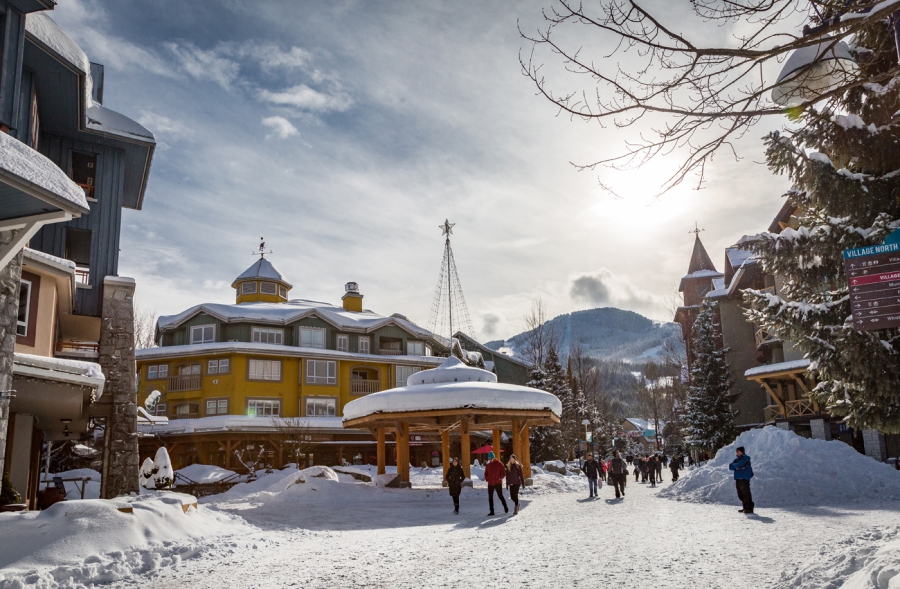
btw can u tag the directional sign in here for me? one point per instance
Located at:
(873, 274)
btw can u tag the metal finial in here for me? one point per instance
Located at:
(697, 229)
(262, 249)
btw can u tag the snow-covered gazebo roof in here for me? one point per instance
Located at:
(262, 269)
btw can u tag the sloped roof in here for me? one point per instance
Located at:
(262, 268)
(738, 257)
(700, 260)
(290, 311)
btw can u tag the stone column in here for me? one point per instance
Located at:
(821, 429)
(10, 278)
(874, 443)
(783, 425)
(120, 472)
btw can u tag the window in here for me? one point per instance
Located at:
(312, 337)
(343, 343)
(217, 366)
(268, 288)
(428, 350)
(403, 373)
(155, 371)
(84, 171)
(415, 348)
(282, 291)
(321, 406)
(24, 308)
(35, 120)
(217, 406)
(364, 345)
(265, 335)
(248, 288)
(321, 372)
(160, 409)
(188, 369)
(203, 334)
(265, 370)
(78, 249)
(263, 408)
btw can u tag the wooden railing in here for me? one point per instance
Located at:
(80, 349)
(82, 275)
(773, 412)
(799, 407)
(186, 416)
(390, 352)
(88, 189)
(763, 337)
(183, 383)
(364, 387)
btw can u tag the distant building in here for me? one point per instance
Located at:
(644, 432)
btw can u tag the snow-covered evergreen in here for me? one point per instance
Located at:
(708, 418)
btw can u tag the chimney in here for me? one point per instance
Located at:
(352, 299)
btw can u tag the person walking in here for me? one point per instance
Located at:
(659, 467)
(591, 469)
(494, 473)
(652, 464)
(636, 462)
(515, 478)
(455, 478)
(618, 474)
(674, 466)
(743, 472)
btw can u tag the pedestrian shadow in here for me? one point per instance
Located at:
(760, 518)
(586, 500)
(615, 501)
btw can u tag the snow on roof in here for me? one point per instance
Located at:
(801, 364)
(262, 268)
(704, 274)
(284, 313)
(738, 257)
(719, 289)
(273, 349)
(239, 422)
(31, 172)
(61, 263)
(104, 120)
(453, 385)
(50, 34)
(75, 372)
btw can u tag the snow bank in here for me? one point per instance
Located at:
(204, 473)
(868, 560)
(76, 543)
(790, 470)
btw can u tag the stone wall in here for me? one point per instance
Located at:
(121, 466)
(874, 444)
(10, 277)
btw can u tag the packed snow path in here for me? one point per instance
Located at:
(411, 538)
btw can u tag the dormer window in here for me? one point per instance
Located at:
(268, 288)
(248, 288)
(203, 334)
(265, 335)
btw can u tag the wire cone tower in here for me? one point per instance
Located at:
(449, 312)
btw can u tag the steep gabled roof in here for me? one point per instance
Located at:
(700, 260)
(262, 269)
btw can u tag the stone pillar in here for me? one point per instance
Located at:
(874, 443)
(783, 425)
(821, 429)
(120, 472)
(10, 278)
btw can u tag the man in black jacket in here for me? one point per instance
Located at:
(591, 469)
(618, 474)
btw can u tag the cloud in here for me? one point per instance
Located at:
(281, 127)
(491, 322)
(205, 64)
(604, 288)
(271, 57)
(303, 97)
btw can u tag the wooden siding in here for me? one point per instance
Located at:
(13, 23)
(104, 221)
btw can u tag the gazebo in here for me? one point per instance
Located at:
(453, 398)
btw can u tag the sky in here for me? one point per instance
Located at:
(346, 132)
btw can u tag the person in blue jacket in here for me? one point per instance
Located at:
(743, 472)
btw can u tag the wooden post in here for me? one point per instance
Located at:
(380, 451)
(465, 448)
(526, 454)
(498, 450)
(403, 453)
(517, 441)
(445, 454)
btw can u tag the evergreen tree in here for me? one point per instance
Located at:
(543, 439)
(845, 183)
(709, 421)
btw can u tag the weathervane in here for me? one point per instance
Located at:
(696, 230)
(262, 249)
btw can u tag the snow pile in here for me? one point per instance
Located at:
(790, 470)
(75, 543)
(204, 473)
(871, 559)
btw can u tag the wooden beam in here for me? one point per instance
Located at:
(517, 440)
(498, 449)
(445, 454)
(801, 384)
(778, 400)
(526, 452)
(403, 452)
(465, 448)
(379, 436)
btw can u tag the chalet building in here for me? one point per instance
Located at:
(247, 377)
(770, 375)
(68, 165)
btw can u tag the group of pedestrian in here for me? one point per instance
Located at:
(494, 473)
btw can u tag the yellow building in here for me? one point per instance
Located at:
(231, 375)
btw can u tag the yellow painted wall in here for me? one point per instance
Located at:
(237, 388)
(45, 328)
(258, 297)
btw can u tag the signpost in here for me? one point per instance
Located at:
(873, 274)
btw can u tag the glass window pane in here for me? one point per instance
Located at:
(223, 405)
(210, 407)
(212, 367)
(164, 371)
(151, 372)
(223, 366)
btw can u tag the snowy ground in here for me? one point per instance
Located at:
(321, 532)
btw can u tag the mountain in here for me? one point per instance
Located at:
(608, 333)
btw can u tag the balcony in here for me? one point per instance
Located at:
(390, 352)
(183, 383)
(82, 277)
(773, 412)
(186, 416)
(798, 408)
(78, 350)
(359, 386)
(764, 339)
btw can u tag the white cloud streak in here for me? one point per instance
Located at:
(280, 126)
(304, 98)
